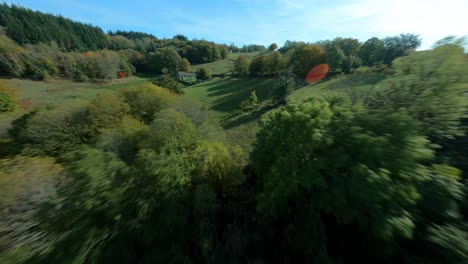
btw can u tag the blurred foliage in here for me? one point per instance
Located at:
(25, 183)
(361, 170)
(430, 87)
(123, 139)
(7, 104)
(56, 131)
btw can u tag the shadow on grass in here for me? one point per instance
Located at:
(251, 117)
(229, 86)
(234, 91)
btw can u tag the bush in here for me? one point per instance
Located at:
(57, 131)
(171, 130)
(123, 139)
(218, 165)
(203, 74)
(106, 111)
(145, 101)
(169, 83)
(7, 104)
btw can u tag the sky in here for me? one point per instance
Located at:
(267, 21)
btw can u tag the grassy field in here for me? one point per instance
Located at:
(223, 66)
(223, 96)
(32, 94)
(353, 86)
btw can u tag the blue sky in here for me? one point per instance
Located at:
(267, 21)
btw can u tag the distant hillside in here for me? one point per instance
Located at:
(26, 26)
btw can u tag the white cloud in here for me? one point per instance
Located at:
(431, 19)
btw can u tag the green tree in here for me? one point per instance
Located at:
(258, 66)
(145, 101)
(342, 54)
(171, 130)
(57, 131)
(251, 102)
(184, 65)
(106, 111)
(7, 104)
(104, 65)
(305, 58)
(241, 66)
(123, 139)
(203, 74)
(317, 159)
(11, 58)
(169, 83)
(398, 46)
(372, 52)
(219, 165)
(158, 208)
(165, 60)
(429, 86)
(275, 63)
(273, 47)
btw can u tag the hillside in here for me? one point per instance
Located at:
(223, 96)
(320, 151)
(37, 94)
(224, 66)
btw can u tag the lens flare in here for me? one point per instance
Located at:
(317, 73)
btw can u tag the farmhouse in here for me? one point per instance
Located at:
(182, 76)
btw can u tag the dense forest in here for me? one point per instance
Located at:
(144, 174)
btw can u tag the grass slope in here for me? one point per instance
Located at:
(354, 86)
(33, 94)
(223, 96)
(223, 66)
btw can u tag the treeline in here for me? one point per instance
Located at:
(247, 48)
(343, 55)
(32, 27)
(34, 31)
(41, 61)
(142, 176)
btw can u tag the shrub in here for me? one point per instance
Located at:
(171, 130)
(7, 104)
(169, 83)
(57, 131)
(106, 111)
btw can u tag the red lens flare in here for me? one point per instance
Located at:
(317, 73)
